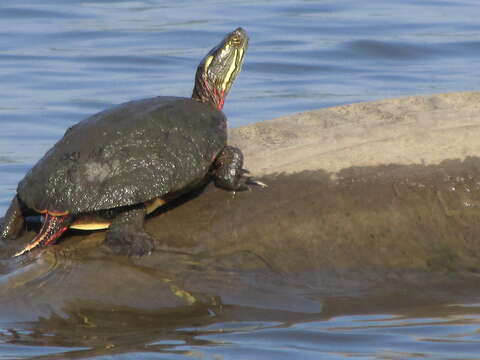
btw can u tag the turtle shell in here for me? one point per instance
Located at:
(126, 155)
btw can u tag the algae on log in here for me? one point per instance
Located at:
(361, 197)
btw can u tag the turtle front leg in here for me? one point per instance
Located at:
(228, 171)
(13, 221)
(127, 236)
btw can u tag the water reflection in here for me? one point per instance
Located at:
(236, 333)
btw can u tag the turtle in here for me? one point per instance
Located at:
(113, 168)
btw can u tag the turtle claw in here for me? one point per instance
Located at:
(252, 181)
(249, 180)
(246, 182)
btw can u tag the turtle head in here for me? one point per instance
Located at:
(219, 68)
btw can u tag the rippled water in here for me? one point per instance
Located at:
(61, 61)
(428, 332)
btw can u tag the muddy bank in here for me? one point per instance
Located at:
(362, 199)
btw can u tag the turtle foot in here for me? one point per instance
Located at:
(129, 243)
(229, 173)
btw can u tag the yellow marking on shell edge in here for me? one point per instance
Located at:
(58, 213)
(53, 213)
(152, 205)
(98, 225)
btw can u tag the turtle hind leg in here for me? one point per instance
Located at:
(228, 171)
(13, 222)
(126, 235)
(53, 227)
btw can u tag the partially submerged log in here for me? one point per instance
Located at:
(361, 197)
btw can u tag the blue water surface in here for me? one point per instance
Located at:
(63, 60)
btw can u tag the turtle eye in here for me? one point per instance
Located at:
(236, 40)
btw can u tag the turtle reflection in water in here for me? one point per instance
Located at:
(113, 168)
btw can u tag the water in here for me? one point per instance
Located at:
(422, 332)
(61, 61)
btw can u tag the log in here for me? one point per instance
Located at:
(362, 198)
